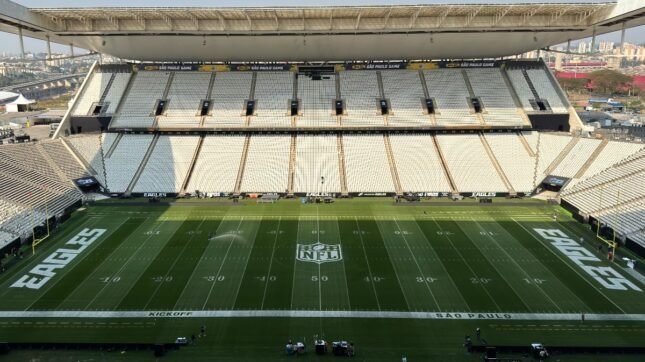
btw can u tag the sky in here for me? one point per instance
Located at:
(10, 43)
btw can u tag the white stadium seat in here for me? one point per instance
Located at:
(317, 168)
(366, 165)
(168, 165)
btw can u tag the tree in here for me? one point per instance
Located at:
(635, 105)
(573, 84)
(610, 82)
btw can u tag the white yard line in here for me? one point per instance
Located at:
(443, 267)
(556, 277)
(246, 263)
(174, 263)
(569, 265)
(369, 268)
(632, 272)
(453, 315)
(405, 240)
(201, 259)
(405, 296)
(349, 302)
(518, 266)
(319, 281)
(266, 284)
(141, 245)
(468, 265)
(69, 269)
(222, 265)
(295, 262)
(37, 260)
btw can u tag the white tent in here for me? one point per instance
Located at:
(6, 97)
(21, 104)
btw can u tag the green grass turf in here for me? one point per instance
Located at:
(432, 258)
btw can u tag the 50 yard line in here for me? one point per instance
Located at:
(319, 281)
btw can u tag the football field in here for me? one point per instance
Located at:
(308, 268)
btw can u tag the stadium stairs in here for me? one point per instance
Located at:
(107, 88)
(189, 174)
(426, 95)
(164, 96)
(292, 165)
(142, 166)
(497, 166)
(392, 163)
(526, 145)
(530, 84)
(81, 161)
(592, 158)
(240, 170)
(479, 116)
(516, 99)
(108, 154)
(444, 166)
(125, 95)
(52, 164)
(341, 165)
(565, 151)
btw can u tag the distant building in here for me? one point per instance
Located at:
(632, 52)
(583, 47)
(606, 46)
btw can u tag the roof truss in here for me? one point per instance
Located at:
(325, 19)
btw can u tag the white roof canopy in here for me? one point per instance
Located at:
(21, 100)
(430, 31)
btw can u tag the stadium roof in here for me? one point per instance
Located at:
(323, 33)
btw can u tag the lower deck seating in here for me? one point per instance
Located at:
(31, 188)
(168, 165)
(317, 168)
(125, 160)
(267, 164)
(366, 165)
(514, 159)
(90, 148)
(63, 159)
(418, 164)
(470, 166)
(576, 158)
(550, 146)
(217, 165)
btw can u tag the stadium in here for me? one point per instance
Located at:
(382, 182)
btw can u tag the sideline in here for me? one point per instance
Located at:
(324, 314)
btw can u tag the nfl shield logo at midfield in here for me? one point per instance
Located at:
(319, 253)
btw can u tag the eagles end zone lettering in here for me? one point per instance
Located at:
(606, 276)
(43, 272)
